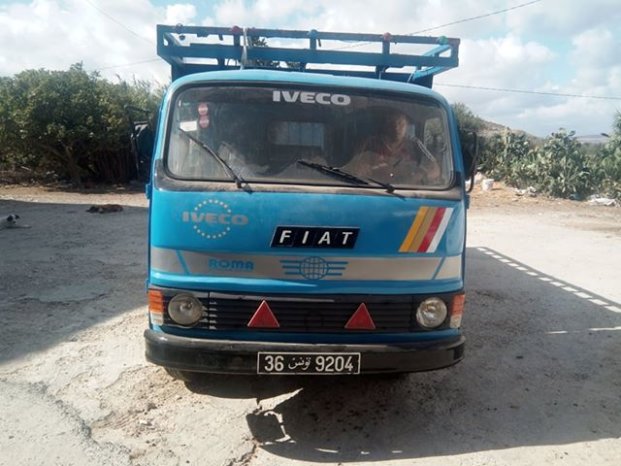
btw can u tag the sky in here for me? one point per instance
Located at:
(544, 47)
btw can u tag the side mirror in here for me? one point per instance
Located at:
(470, 152)
(142, 139)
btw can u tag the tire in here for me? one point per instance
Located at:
(185, 376)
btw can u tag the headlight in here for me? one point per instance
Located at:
(431, 313)
(185, 309)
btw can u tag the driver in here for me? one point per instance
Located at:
(391, 155)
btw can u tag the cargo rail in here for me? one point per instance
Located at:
(188, 50)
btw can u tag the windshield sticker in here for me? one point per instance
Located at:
(322, 98)
(188, 125)
(213, 219)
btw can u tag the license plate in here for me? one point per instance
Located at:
(308, 363)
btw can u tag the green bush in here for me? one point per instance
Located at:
(561, 166)
(562, 169)
(69, 123)
(509, 157)
(609, 164)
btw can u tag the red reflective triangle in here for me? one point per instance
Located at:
(263, 317)
(360, 320)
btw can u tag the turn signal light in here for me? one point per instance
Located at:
(156, 301)
(457, 310)
(156, 307)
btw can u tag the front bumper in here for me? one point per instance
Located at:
(240, 357)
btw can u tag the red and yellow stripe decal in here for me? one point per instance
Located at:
(426, 230)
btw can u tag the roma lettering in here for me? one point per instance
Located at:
(223, 264)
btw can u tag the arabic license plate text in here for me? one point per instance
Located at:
(308, 363)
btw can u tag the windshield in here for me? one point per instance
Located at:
(298, 136)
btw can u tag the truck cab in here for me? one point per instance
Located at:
(304, 220)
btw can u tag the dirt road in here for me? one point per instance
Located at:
(540, 384)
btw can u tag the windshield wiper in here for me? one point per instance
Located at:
(239, 181)
(338, 173)
(387, 186)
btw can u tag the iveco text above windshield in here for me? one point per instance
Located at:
(301, 136)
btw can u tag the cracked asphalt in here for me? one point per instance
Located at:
(540, 383)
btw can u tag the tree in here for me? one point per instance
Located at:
(56, 117)
(562, 168)
(466, 119)
(71, 123)
(609, 165)
(261, 42)
(508, 156)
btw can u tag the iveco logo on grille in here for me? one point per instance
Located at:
(314, 237)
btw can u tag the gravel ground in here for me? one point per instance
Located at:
(540, 384)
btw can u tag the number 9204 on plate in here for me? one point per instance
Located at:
(289, 363)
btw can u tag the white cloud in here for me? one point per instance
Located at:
(499, 63)
(595, 48)
(585, 116)
(596, 72)
(181, 13)
(553, 45)
(261, 13)
(397, 17)
(562, 17)
(502, 60)
(54, 34)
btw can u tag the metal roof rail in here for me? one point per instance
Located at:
(187, 51)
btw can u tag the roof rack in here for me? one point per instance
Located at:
(187, 51)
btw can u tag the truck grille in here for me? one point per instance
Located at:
(229, 312)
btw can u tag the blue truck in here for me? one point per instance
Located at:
(307, 206)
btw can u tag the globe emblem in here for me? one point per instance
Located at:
(314, 268)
